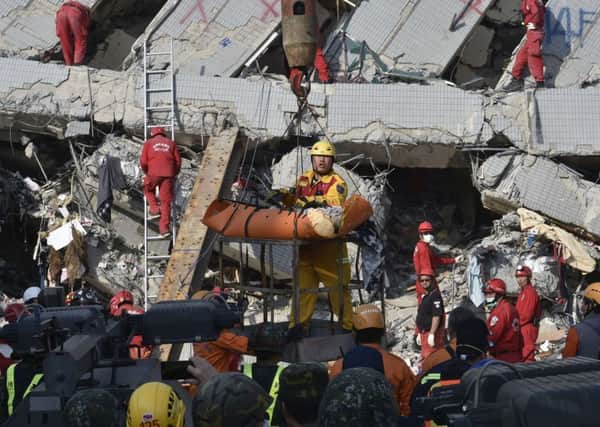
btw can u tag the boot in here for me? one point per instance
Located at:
(512, 85)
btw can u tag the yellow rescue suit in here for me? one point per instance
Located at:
(319, 261)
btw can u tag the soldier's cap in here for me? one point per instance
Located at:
(358, 397)
(230, 399)
(303, 381)
(92, 407)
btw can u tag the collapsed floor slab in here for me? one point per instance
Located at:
(511, 180)
(382, 35)
(263, 109)
(209, 39)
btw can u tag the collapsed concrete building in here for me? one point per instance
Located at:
(403, 111)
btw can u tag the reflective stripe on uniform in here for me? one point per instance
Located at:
(431, 377)
(10, 386)
(274, 390)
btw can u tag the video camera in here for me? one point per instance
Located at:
(558, 392)
(82, 348)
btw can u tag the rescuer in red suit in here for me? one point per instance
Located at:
(530, 312)
(503, 323)
(530, 54)
(72, 21)
(161, 163)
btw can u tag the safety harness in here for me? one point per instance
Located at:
(10, 386)
(274, 390)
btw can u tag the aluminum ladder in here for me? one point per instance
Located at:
(159, 111)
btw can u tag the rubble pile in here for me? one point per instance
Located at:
(498, 255)
(128, 152)
(18, 197)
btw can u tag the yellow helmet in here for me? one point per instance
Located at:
(322, 148)
(592, 292)
(157, 403)
(367, 316)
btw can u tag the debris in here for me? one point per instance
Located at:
(510, 180)
(62, 236)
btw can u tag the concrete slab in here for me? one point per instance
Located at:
(422, 36)
(210, 37)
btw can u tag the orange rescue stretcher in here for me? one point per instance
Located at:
(234, 219)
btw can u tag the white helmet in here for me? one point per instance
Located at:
(31, 293)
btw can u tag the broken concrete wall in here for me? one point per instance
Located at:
(45, 97)
(210, 38)
(443, 117)
(381, 36)
(511, 180)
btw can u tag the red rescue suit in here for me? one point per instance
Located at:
(160, 162)
(72, 21)
(5, 353)
(505, 333)
(534, 13)
(136, 349)
(530, 311)
(424, 258)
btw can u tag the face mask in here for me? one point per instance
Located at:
(490, 299)
(428, 238)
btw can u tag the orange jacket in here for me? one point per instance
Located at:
(397, 373)
(439, 356)
(572, 344)
(221, 352)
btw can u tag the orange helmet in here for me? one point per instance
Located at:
(523, 271)
(157, 131)
(367, 316)
(120, 298)
(13, 312)
(425, 227)
(496, 286)
(592, 292)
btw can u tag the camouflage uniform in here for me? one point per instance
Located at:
(92, 408)
(359, 397)
(303, 381)
(301, 388)
(230, 399)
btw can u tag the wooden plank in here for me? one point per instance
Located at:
(192, 233)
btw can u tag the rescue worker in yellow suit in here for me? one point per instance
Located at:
(318, 262)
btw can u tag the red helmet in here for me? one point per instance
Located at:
(426, 271)
(523, 271)
(496, 286)
(120, 298)
(13, 312)
(158, 131)
(425, 227)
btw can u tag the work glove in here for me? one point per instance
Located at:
(276, 197)
(418, 340)
(430, 340)
(459, 258)
(201, 370)
(313, 204)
